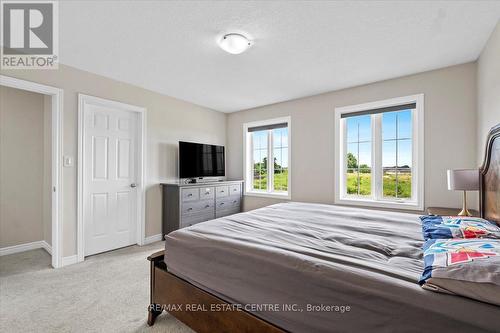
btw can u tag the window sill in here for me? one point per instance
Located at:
(284, 196)
(406, 205)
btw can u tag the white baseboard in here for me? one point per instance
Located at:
(25, 247)
(47, 247)
(152, 239)
(69, 260)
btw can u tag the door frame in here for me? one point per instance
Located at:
(56, 95)
(83, 100)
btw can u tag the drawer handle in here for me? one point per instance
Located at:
(190, 194)
(221, 203)
(235, 201)
(207, 206)
(207, 192)
(234, 190)
(221, 191)
(190, 209)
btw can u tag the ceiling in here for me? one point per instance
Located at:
(300, 48)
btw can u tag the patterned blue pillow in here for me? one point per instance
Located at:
(473, 260)
(442, 227)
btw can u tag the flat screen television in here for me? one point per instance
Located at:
(197, 160)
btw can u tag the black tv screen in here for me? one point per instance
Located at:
(200, 160)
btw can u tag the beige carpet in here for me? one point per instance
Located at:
(106, 293)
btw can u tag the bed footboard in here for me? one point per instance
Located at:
(154, 309)
(198, 309)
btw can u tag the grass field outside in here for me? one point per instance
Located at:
(389, 182)
(280, 181)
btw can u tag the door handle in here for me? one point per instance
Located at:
(133, 185)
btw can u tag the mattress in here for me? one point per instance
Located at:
(318, 268)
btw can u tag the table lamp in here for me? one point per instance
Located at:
(463, 180)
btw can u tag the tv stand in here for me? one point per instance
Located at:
(184, 205)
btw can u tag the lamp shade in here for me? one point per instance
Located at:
(463, 179)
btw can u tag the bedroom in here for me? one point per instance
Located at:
(363, 106)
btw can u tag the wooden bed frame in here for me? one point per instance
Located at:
(178, 297)
(489, 193)
(168, 290)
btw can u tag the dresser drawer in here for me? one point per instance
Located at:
(227, 203)
(187, 221)
(235, 189)
(190, 194)
(197, 207)
(226, 212)
(222, 191)
(207, 193)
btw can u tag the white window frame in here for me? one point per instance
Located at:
(248, 160)
(376, 199)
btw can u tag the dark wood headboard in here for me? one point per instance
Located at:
(489, 181)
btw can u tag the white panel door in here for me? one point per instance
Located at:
(110, 196)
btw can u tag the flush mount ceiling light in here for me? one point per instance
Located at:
(234, 43)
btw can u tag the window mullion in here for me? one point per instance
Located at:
(270, 162)
(414, 170)
(397, 153)
(343, 154)
(359, 162)
(251, 165)
(377, 169)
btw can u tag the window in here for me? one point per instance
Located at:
(358, 158)
(267, 141)
(397, 154)
(379, 153)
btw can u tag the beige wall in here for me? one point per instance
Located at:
(450, 133)
(488, 90)
(450, 104)
(168, 121)
(21, 167)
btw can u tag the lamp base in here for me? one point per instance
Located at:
(464, 211)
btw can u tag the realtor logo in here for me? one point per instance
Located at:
(29, 37)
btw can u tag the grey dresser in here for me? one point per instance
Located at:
(186, 204)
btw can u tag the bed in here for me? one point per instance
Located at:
(313, 268)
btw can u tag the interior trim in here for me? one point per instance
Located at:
(4, 251)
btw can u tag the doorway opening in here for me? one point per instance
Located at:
(31, 168)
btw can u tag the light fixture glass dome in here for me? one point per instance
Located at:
(234, 43)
